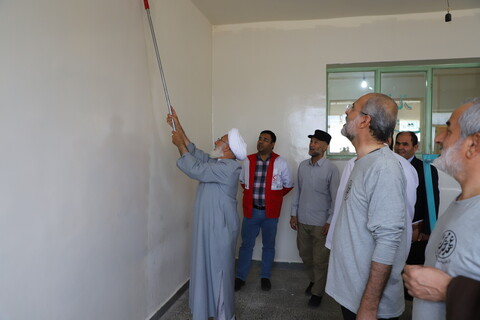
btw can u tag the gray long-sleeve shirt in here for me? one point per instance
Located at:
(453, 248)
(371, 226)
(315, 193)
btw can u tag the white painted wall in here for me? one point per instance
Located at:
(94, 215)
(95, 218)
(272, 76)
(185, 39)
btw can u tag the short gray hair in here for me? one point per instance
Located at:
(383, 122)
(469, 121)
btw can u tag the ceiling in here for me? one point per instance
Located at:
(244, 11)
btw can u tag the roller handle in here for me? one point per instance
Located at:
(145, 3)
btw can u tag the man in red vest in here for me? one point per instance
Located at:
(265, 179)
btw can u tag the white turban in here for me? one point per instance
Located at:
(237, 145)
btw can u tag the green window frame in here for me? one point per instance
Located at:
(394, 69)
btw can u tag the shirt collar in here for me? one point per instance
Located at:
(258, 157)
(318, 163)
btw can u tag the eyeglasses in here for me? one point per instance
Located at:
(351, 107)
(220, 139)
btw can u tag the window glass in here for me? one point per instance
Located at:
(343, 89)
(426, 95)
(408, 89)
(451, 87)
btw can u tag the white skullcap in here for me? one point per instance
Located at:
(237, 145)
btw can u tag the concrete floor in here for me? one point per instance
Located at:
(285, 301)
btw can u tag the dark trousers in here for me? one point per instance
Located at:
(349, 315)
(417, 252)
(416, 256)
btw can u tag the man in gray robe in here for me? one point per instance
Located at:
(216, 224)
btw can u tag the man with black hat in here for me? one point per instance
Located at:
(312, 207)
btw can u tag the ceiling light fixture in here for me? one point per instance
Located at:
(448, 16)
(364, 83)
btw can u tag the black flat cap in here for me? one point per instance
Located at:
(321, 135)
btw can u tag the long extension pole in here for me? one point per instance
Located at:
(159, 61)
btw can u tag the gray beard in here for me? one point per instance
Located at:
(216, 153)
(448, 160)
(313, 153)
(349, 128)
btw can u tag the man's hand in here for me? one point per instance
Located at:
(174, 117)
(426, 283)
(177, 139)
(325, 228)
(423, 237)
(416, 229)
(293, 222)
(364, 314)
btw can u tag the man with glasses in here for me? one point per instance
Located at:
(215, 227)
(265, 179)
(370, 236)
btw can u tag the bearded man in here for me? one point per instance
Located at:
(216, 224)
(312, 208)
(370, 235)
(453, 247)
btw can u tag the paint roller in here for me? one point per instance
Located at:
(159, 61)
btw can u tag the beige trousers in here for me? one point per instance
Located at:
(314, 254)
